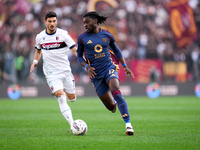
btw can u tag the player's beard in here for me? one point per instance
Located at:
(52, 29)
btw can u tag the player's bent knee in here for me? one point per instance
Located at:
(59, 93)
(72, 100)
(71, 97)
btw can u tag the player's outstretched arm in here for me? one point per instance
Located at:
(37, 57)
(119, 56)
(33, 66)
(126, 69)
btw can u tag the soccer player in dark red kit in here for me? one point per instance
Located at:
(95, 43)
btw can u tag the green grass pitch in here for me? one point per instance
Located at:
(165, 123)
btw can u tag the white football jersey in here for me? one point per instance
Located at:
(55, 48)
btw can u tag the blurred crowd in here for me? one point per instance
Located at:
(140, 27)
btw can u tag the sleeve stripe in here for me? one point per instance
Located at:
(72, 46)
(37, 48)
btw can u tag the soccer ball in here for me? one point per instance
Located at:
(79, 127)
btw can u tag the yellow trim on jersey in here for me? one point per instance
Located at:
(117, 66)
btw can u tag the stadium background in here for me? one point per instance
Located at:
(159, 40)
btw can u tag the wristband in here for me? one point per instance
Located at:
(35, 61)
(86, 66)
(124, 64)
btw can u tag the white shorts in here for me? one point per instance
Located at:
(63, 81)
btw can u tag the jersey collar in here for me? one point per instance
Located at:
(51, 33)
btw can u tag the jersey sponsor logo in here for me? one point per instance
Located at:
(98, 48)
(89, 42)
(99, 55)
(104, 40)
(50, 46)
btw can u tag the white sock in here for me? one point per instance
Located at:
(128, 125)
(65, 109)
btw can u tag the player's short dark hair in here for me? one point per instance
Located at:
(95, 15)
(50, 14)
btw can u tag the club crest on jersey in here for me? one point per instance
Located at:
(43, 38)
(104, 39)
(57, 38)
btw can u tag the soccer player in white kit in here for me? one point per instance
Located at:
(53, 44)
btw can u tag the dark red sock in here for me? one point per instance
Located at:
(115, 92)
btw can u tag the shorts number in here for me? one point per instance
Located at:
(111, 71)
